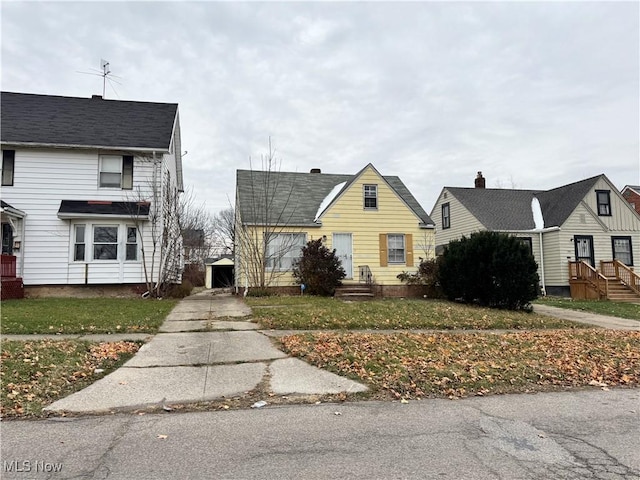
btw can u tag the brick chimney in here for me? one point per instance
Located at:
(315, 170)
(480, 181)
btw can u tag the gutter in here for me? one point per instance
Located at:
(84, 147)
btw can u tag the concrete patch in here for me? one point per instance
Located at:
(291, 375)
(184, 326)
(204, 348)
(225, 325)
(134, 387)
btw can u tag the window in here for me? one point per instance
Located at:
(8, 161)
(116, 171)
(395, 248)
(79, 243)
(446, 216)
(132, 243)
(604, 203)
(105, 242)
(371, 197)
(622, 250)
(283, 249)
(527, 241)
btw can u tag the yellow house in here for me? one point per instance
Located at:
(374, 223)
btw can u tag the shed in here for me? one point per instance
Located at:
(219, 272)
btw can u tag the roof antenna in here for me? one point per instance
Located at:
(105, 73)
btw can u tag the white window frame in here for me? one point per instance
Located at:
(370, 191)
(76, 242)
(127, 243)
(395, 260)
(94, 243)
(89, 243)
(283, 249)
(125, 177)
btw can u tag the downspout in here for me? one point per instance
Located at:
(544, 287)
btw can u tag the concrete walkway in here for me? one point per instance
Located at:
(604, 321)
(186, 364)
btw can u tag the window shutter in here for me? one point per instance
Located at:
(127, 172)
(408, 245)
(383, 250)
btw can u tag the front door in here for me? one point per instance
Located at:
(343, 244)
(584, 249)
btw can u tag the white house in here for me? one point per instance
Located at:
(81, 178)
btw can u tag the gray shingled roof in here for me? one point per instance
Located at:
(103, 207)
(505, 209)
(294, 198)
(85, 122)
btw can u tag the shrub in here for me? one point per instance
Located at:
(489, 268)
(258, 292)
(195, 273)
(180, 290)
(427, 275)
(318, 269)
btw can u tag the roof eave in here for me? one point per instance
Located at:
(85, 147)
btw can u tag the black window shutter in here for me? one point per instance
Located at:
(127, 172)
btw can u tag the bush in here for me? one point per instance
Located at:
(491, 269)
(318, 269)
(427, 275)
(258, 292)
(195, 273)
(180, 290)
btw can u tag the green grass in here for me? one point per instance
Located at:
(311, 313)
(602, 307)
(36, 373)
(83, 315)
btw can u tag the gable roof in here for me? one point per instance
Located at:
(32, 119)
(295, 198)
(510, 209)
(635, 188)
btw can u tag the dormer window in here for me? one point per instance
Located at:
(116, 171)
(371, 197)
(604, 202)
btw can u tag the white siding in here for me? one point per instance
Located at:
(461, 220)
(43, 178)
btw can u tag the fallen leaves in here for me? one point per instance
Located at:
(456, 365)
(35, 373)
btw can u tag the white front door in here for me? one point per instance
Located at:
(343, 244)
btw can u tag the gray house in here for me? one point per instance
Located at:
(588, 221)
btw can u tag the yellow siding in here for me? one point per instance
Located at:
(347, 215)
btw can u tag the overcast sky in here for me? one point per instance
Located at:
(535, 95)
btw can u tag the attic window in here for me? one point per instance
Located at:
(371, 197)
(604, 202)
(446, 216)
(116, 171)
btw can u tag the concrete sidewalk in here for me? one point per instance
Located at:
(604, 321)
(185, 364)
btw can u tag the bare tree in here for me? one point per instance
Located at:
(264, 243)
(223, 230)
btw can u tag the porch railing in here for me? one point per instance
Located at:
(8, 266)
(583, 271)
(618, 270)
(365, 274)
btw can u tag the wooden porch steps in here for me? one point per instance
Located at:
(619, 292)
(357, 292)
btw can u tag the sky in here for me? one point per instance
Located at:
(535, 95)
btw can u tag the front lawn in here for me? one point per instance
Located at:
(36, 373)
(318, 313)
(406, 365)
(601, 307)
(83, 315)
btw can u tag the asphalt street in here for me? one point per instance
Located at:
(565, 435)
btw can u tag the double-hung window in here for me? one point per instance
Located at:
(621, 247)
(105, 242)
(132, 243)
(283, 249)
(370, 197)
(79, 243)
(396, 248)
(116, 171)
(446, 216)
(604, 202)
(8, 163)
